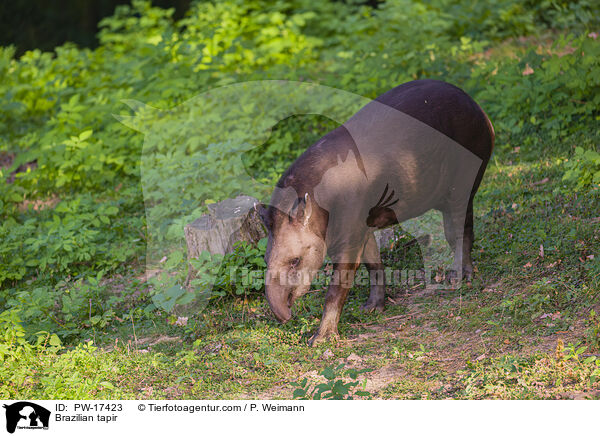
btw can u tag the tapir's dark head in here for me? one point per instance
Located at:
(295, 252)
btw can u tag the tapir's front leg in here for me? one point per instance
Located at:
(341, 282)
(372, 260)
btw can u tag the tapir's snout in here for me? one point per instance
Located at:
(280, 301)
(283, 316)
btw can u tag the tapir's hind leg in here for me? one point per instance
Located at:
(449, 229)
(458, 229)
(372, 261)
(468, 238)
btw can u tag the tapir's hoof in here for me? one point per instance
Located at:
(455, 282)
(319, 338)
(371, 306)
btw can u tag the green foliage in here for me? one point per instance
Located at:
(45, 373)
(82, 373)
(240, 274)
(516, 18)
(593, 331)
(241, 271)
(555, 94)
(335, 388)
(289, 138)
(70, 308)
(14, 344)
(583, 168)
(76, 235)
(514, 377)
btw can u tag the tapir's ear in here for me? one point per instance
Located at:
(304, 210)
(261, 210)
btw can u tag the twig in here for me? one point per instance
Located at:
(400, 316)
(90, 318)
(362, 324)
(483, 342)
(134, 335)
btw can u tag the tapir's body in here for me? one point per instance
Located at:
(422, 145)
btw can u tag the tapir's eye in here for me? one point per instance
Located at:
(295, 262)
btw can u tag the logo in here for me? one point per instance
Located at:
(26, 415)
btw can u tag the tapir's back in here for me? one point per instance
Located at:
(447, 109)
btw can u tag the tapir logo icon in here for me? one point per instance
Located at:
(27, 415)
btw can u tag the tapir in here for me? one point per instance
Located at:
(422, 145)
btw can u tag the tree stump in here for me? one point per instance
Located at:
(384, 237)
(226, 223)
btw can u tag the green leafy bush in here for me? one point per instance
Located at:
(235, 274)
(583, 168)
(13, 342)
(556, 94)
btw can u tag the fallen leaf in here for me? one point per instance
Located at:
(181, 321)
(528, 70)
(148, 390)
(481, 357)
(541, 251)
(541, 182)
(328, 354)
(353, 358)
